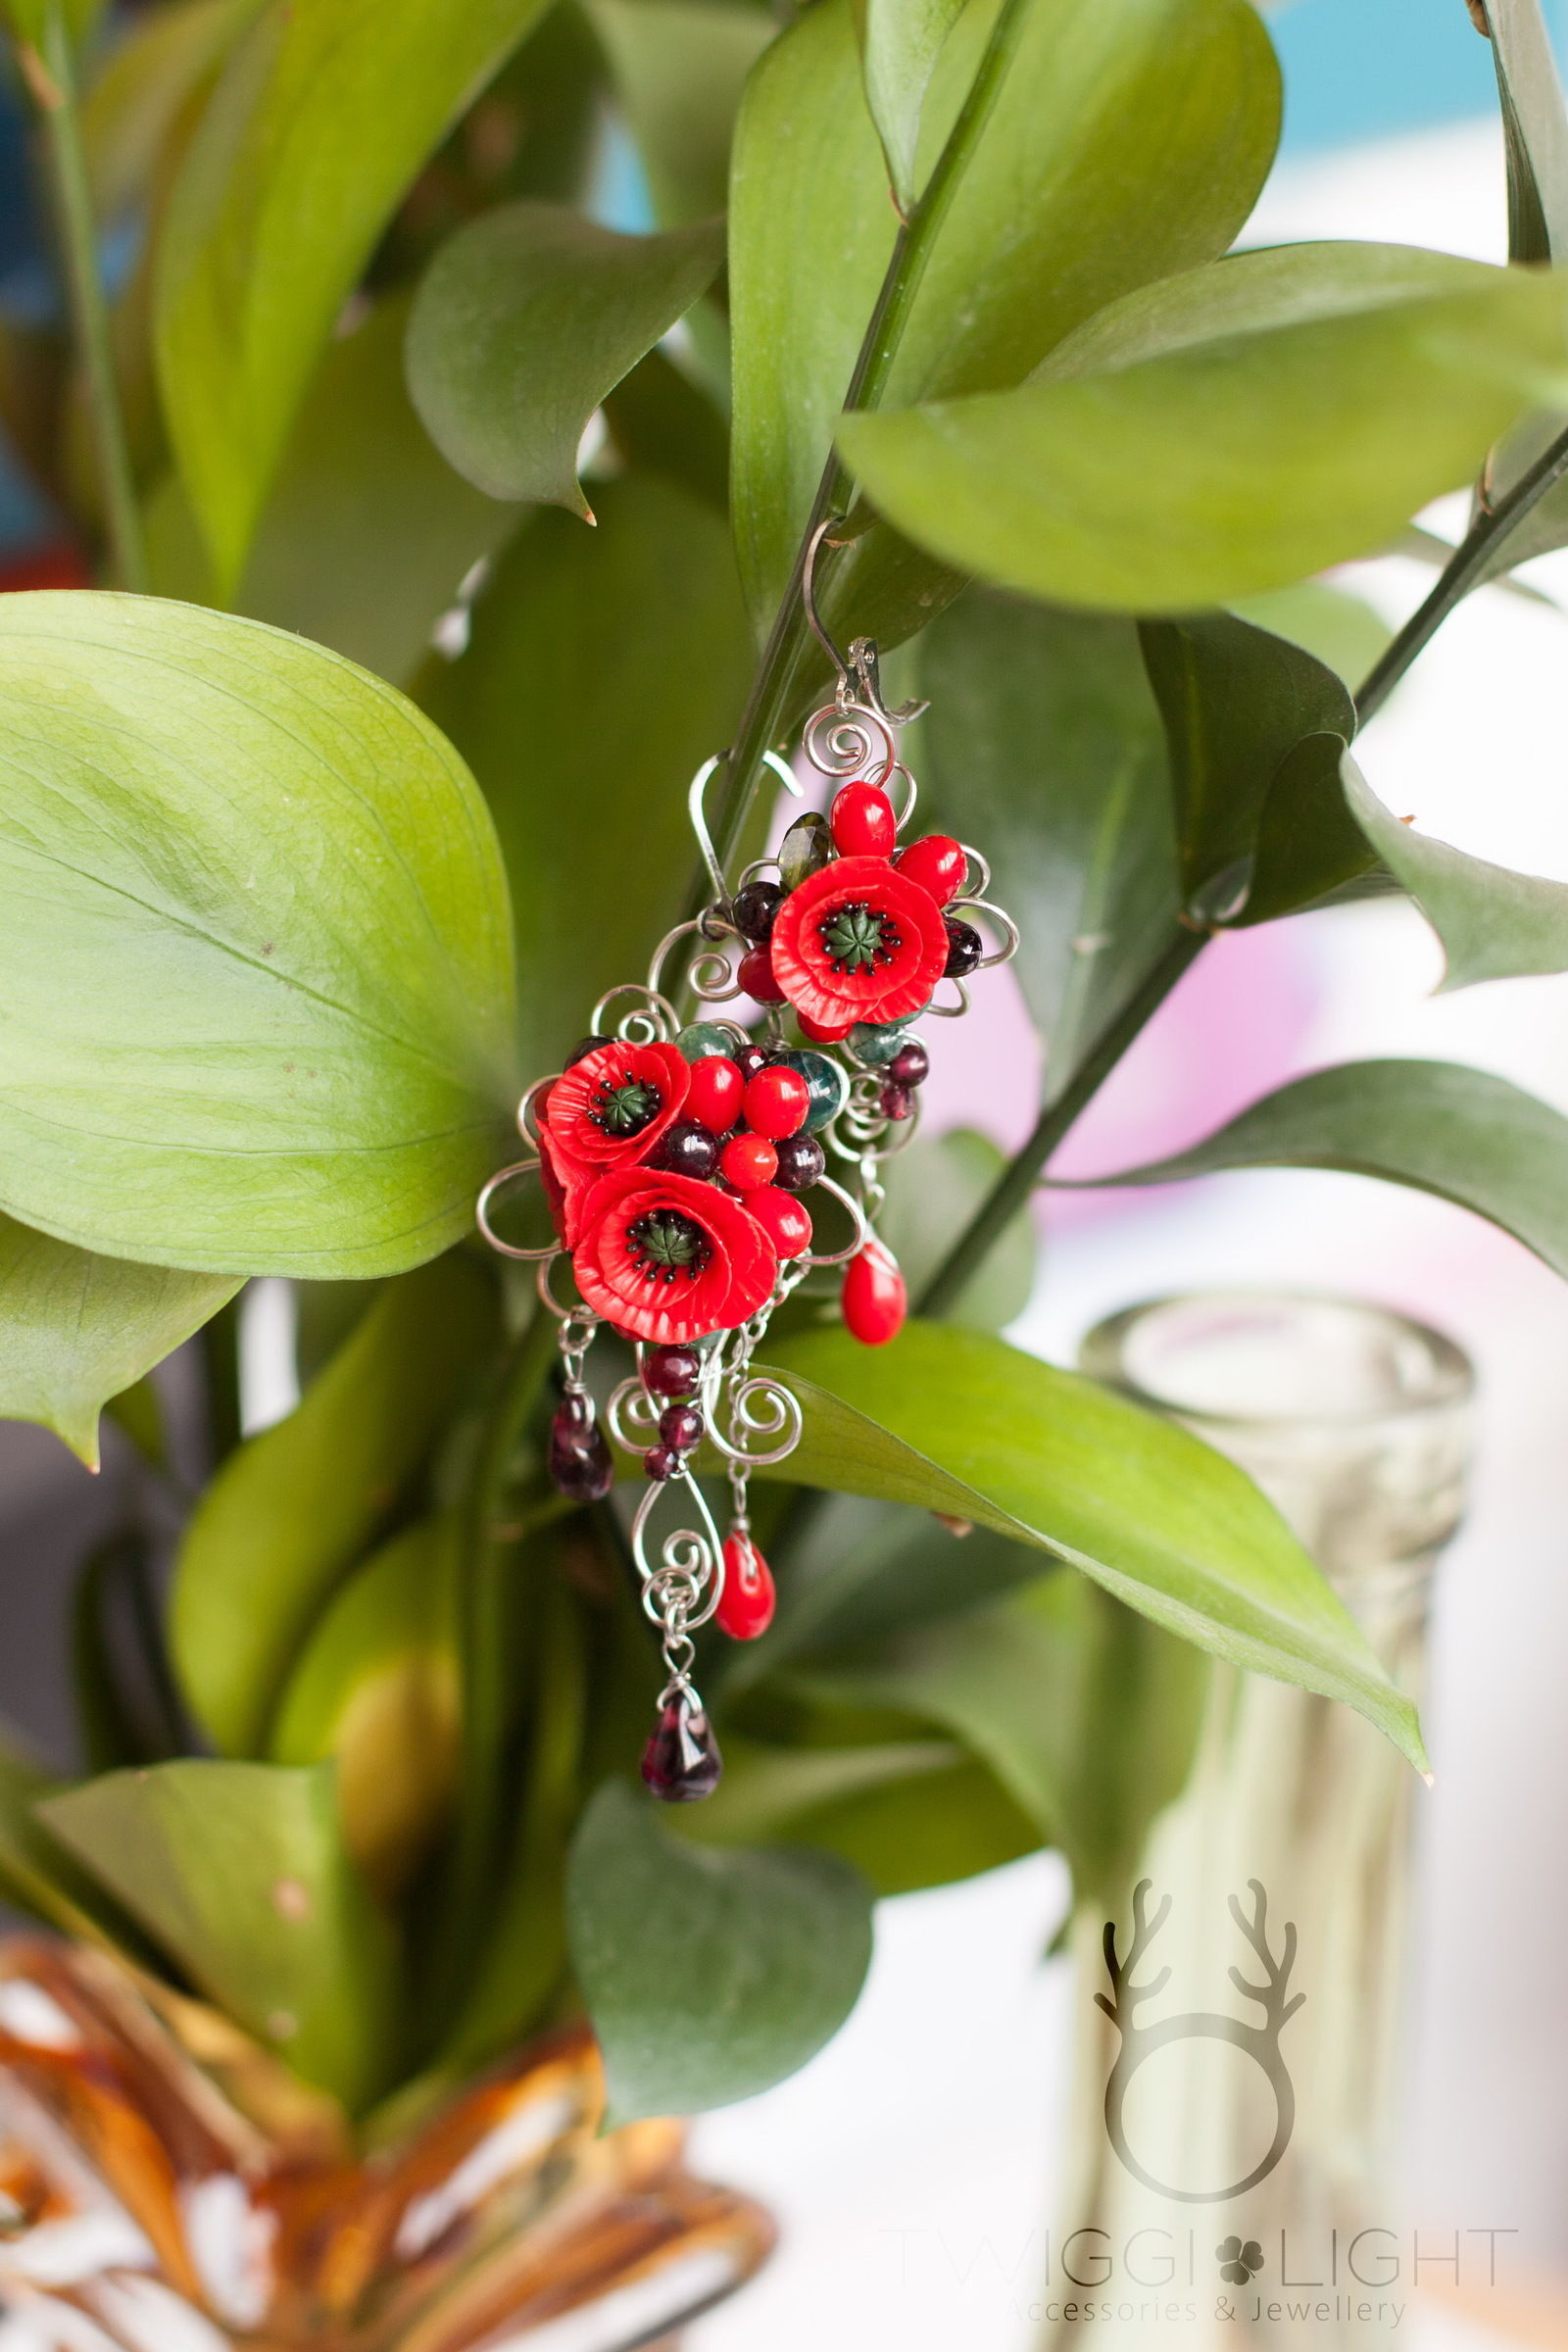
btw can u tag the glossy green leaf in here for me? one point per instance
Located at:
(1493, 923)
(708, 1975)
(367, 531)
(927, 1830)
(765, 1790)
(1534, 127)
(276, 210)
(75, 1329)
(1044, 744)
(934, 1187)
(38, 1876)
(659, 422)
(1225, 431)
(679, 68)
(1046, 227)
(150, 76)
(1339, 631)
(1308, 845)
(1053, 1460)
(270, 885)
(376, 1689)
(1087, 1713)
(1463, 1134)
(901, 41)
(605, 666)
(293, 1509)
(239, 1874)
(1234, 701)
(525, 320)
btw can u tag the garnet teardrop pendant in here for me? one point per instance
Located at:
(682, 1762)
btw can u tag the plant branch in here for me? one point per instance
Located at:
(767, 712)
(52, 83)
(1460, 574)
(1018, 1181)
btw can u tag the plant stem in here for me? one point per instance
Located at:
(1018, 1181)
(788, 641)
(1460, 574)
(51, 79)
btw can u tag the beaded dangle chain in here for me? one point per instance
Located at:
(678, 1158)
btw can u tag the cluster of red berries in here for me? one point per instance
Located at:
(745, 1125)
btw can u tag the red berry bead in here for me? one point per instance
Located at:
(746, 1604)
(898, 1101)
(824, 1033)
(801, 1163)
(713, 1094)
(785, 1220)
(681, 1427)
(671, 1371)
(862, 821)
(662, 1462)
(911, 1064)
(776, 1102)
(938, 863)
(755, 976)
(875, 1301)
(746, 1161)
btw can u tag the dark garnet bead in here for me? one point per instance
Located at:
(965, 947)
(911, 1065)
(580, 1464)
(584, 1046)
(898, 1101)
(750, 1060)
(687, 1150)
(681, 1427)
(755, 908)
(681, 1761)
(801, 1163)
(664, 1462)
(671, 1371)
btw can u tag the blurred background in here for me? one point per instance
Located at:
(913, 2165)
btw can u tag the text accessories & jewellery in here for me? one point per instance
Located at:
(675, 1156)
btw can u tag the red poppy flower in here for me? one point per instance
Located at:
(567, 1184)
(612, 1107)
(667, 1258)
(858, 942)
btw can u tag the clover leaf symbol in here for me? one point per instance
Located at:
(1237, 2262)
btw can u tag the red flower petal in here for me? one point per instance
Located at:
(573, 1114)
(736, 1279)
(567, 1184)
(805, 972)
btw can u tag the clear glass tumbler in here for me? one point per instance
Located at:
(1233, 2134)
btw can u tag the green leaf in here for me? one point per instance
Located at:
(1051, 1459)
(375, 1687)
(679, 68)
(765, 1790)
(238, 1872)
(924, 1830)
(1234, 701)
(1338, 629)
(75, 1329)
(276, 211)
(267, 883)
(128, 1710)
(1493, 923)
(605, 666)
(135, 103)
(1047, 225)
(901, 41)
(1309, 846)
(1534, 129)
(1466, 1136)
(934, 1187)
(708, 1975)
(292, 1510)
(1225, 431)
(38, 1876)
(525, 320)
(1043, 741)
(1087, 1713)
(659, 422)
(367, 531)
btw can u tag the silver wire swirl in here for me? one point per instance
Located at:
(758, 1406)
(1011, 936)
(691, 1562)
(481, 1213)
(630, 1404)
(653, 1017)
(563, 1314)
(863, 1232)
(714, 986)
(527, 1125)
(841, 740)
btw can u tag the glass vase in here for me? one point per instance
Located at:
(1233, 2134)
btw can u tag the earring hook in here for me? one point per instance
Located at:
(859, 678)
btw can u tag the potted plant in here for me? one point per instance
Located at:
(360, 775)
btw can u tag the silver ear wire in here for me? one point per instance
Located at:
(695, 792)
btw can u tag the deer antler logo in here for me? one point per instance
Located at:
(1260, 2042)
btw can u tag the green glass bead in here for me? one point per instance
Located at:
(701, 1038)
(876, 1042)
(804, 849)
(826, 1080)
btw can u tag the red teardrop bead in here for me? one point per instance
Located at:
(746, 1604)
(862, 821)
(938, 863)
(875, 1301)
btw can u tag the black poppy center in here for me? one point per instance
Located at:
(665, 1243)
(625, 1108)
(858, 937)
